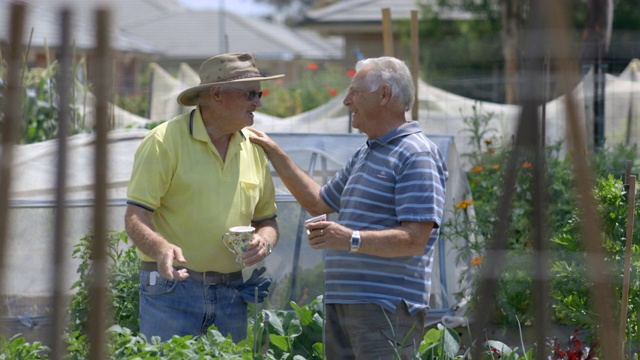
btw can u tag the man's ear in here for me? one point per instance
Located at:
(385, 93)
(215, 93)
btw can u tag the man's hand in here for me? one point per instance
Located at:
(263, 140)
(328, 235)
(165, 263)
(138, 223)
(256, 251)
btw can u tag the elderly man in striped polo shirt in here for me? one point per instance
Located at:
(390, 197)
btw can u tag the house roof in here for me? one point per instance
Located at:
(173, 31)
(198, 34)
(343, 15)
(43, 18)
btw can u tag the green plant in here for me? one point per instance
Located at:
(137, 102)
(293, 334)
(122, 282)
(439, 343)
(39, 101)
(17, 348)
(571, 286)
(317, 85)
(473, 220)
(125, 344)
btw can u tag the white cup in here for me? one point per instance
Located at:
(237, 239)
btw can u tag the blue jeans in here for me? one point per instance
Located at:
(190, 307)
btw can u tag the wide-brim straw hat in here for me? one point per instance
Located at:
(224, 69)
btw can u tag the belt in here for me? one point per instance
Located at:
(207, 277)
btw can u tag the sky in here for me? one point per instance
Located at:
(243, 7)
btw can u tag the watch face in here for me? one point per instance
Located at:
(355, 241)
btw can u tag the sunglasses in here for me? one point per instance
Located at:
(251, 95)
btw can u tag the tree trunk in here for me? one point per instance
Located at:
(511, 22)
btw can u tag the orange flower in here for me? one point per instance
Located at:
(463, 204)
(488, 141)
(333, 92)
(476, 260)
(312, 66)
(495, 166)
(477, 169)
(265, 92)
(526, 165)
(351, 73)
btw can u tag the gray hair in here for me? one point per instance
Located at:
(392, 71)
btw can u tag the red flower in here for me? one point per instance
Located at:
(312, 66)
(265, 92)
(351, 73)
(333, 92)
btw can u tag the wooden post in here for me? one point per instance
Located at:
(10, 126)
(631, 195)
(103, 77)
(415, 61)
(60, 253)
(387, 32)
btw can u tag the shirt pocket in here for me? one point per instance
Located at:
(249, 195)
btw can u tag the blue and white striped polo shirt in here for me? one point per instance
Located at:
(398, 177)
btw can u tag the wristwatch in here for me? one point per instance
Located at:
(355, 241)
(269, 248)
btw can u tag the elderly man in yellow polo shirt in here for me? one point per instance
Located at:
(193, 178)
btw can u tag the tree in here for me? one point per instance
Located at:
(462, 55)
(292, 10)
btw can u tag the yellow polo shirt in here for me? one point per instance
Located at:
(194, 195)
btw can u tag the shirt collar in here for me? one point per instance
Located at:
(408, 128)
(198, 131)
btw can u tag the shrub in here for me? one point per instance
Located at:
(474, 219)
(39, 102)
(317, 85)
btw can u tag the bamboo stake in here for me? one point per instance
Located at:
(387, 32)
(601, 292)
(10, 126)
(526, 142)
(415, 61)
(98, 289)
(631, 195)
(60, 251)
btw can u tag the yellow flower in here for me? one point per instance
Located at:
(476, 169)
(526, 165)
(496, 166)
(488, 142)
(463, 204)
(476, 260)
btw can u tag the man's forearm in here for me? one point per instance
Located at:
(299, 183)
(141, 232)
(268, 230)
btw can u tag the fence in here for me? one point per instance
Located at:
(545, 15)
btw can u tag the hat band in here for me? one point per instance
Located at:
(245, 76)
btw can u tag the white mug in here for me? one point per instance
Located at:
(237, 239)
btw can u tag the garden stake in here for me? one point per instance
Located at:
(10, 125)
(631, 193)
(255, 321)
(601, 291)
(526, 143)
(59, 248)
(98, 289)
(387, 32)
